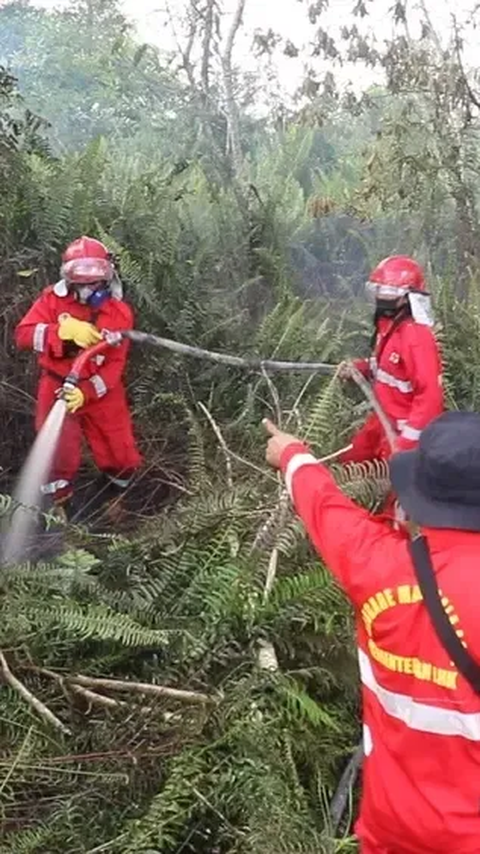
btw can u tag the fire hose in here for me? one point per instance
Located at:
(339, 801)
(246, 363)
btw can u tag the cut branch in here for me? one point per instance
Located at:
(144, 688)
(92, 697)
(34, 703)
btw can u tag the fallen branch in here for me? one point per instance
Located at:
(229, 454)
(77, 685)
(29, 698)
(143, 688)
(91, 697)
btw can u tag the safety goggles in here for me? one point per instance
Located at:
(85, 271)
(385, 291)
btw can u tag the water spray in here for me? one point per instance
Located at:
(27, 497)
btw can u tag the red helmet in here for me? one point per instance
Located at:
(85, 261)
(396, 276)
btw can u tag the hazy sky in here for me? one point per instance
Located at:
(289, 18)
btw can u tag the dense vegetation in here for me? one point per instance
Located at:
(247, 235)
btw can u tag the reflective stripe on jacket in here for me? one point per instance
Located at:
(421, 780)
(406, 372)
(38, 331)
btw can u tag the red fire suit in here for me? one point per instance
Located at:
(421, 780)
(104, 420)
(406, 372)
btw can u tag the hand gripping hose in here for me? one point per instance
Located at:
(110, 339)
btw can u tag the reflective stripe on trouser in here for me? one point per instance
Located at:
(119, 482)
(419, 716)
(408, 432)
(55, 486)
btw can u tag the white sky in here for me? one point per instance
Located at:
(289, 19)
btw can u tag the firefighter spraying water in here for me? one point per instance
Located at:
(81, 329)
(417, 710)
(65, 320)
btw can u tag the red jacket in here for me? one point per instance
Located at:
(406, 372)
(421, 781)
(38, 331)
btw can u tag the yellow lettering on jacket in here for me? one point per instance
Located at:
(383, 601)
(422, 670)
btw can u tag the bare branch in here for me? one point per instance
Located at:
(223, 444)
(275, 397)
(144, 688)
(186, 52)
(436, 39)
(91, 697)
(29, 698)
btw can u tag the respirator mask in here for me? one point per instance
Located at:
(93, 295)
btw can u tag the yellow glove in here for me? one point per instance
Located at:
(74, 398)
(82, 333)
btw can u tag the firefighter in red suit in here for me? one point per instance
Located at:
(421, 718)
(405, 366)
(67, 317)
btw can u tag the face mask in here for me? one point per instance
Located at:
(84, 294)
(386, 308)
(94, 297)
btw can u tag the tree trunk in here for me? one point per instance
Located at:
(231, 110)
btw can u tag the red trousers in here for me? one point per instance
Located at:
(107, 428)
(369, 443)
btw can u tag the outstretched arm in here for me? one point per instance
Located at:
(343, 534)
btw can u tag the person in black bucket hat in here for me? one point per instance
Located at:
(438, 484)
(421, 708)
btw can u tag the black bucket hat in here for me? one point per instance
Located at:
(438, 484)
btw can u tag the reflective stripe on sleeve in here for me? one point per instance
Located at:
(39, 334)
(419, 716)
(411, 433)
(296, 463)
(99, 385)
(403, 386)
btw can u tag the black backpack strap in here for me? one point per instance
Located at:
(446, 634)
